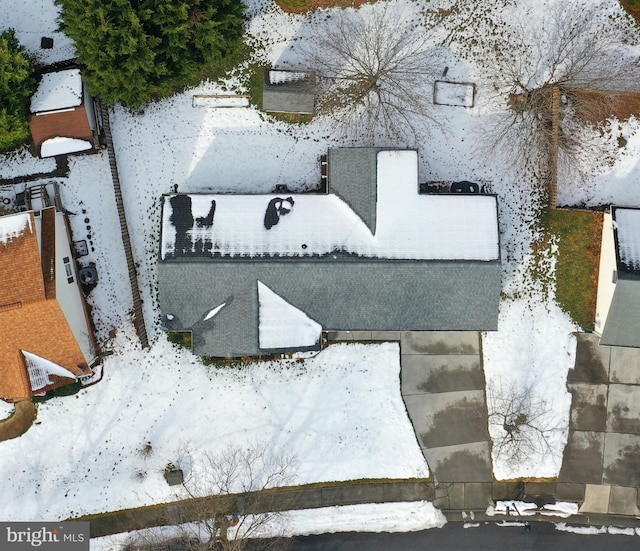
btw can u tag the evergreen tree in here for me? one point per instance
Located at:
(17, 84)
(137, 50)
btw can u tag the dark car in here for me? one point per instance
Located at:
(465, 187)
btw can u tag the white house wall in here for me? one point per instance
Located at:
(606, 286)
(68, 293)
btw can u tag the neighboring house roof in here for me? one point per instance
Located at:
(37, 338)
(622, 326)
(62, 118)
(431, 262)
(289, 91)
(58, 90)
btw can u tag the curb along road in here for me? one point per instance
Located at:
(314, 496)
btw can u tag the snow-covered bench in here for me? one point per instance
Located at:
(230, 100)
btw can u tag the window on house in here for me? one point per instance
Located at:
(67, 269)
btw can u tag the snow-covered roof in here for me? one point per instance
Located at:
(40, 371)
(58, 90)
(13, 226)
(63, 146)
(282, 76)
(627, 224)
(282, 325)
(408, 225)
(283, 267)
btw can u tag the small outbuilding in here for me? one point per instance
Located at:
(63, 119)
(289, 91)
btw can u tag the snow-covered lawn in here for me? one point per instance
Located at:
(341, 413)
(21, 163)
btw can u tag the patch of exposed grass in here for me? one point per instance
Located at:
(255, 85)
(578, 235)
(633, 8)
(181, 338)
(292, 118)
(301, 6)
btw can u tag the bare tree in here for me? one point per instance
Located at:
(376, 70)
(228, 507)
(568, 73)
(521, 423)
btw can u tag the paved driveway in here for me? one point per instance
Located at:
(601, 463)
(442, 384)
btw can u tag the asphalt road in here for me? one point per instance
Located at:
(486, 537)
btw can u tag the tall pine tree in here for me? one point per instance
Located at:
(137, 50)
(17, 84)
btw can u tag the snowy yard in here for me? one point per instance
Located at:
(341, 413)
(318, 412)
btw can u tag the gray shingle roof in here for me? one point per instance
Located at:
(328, 264)
(352, 177)
(339, 292)
(622, 327)
(297, 97)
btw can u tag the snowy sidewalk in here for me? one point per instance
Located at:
(310, 496)
(459, 502)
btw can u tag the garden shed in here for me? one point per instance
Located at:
(63, 119)
(288, 91)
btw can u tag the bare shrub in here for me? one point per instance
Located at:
(227, 506)
(521, 423)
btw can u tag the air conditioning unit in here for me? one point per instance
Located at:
(89, 275)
